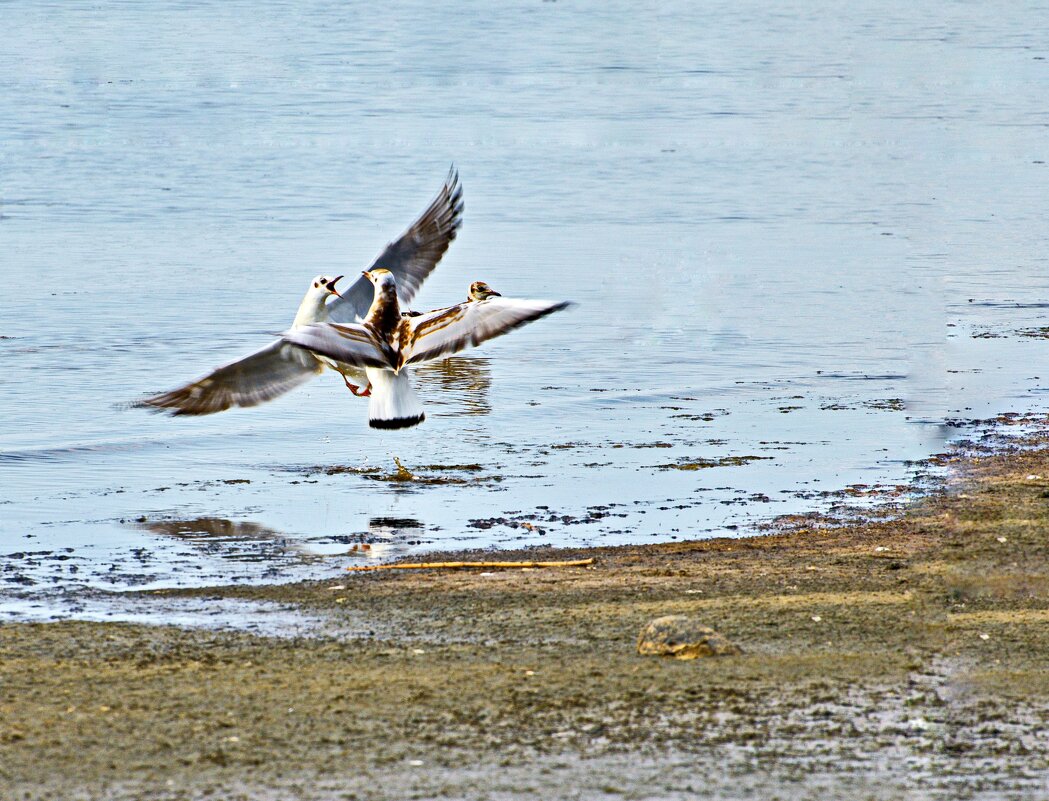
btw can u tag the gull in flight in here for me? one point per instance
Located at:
(281, 366)
(479, 290)
(387, 343)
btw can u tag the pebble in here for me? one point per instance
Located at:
(683, 637)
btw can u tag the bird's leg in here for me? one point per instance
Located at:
(356, 390)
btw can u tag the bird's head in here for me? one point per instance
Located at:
(479, 290)
(324, 285)
(381, 278)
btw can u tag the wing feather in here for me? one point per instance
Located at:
(258, 377)
(412, 257)
(353, 344)
(446, 331)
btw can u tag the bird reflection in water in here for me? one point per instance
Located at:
(458, 385)
(228, 539)
(386, 538)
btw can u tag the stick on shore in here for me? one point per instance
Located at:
(460, 565)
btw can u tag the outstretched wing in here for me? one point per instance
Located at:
(352, 344)
(412, 257)
(262, 376)
(446, 331)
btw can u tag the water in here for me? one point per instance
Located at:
(809, 234)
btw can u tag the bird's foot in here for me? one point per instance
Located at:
(356, 390)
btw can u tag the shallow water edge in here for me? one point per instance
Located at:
(882, 659)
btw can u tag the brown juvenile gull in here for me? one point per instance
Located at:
(282, 366)
(479, 290)
(386, 343)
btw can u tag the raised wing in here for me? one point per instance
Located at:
(446, 331)
(352, 344)
(262, 376)
(412, 257)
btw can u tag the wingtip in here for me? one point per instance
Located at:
(150, 405)
(127, 406)
(455, 197)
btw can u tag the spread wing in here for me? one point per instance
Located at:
(259, 377)
(446, 331)
(411, 258)
(352, 344)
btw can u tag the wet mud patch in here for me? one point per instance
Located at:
(430, 474)
(339, 470)
(684, 411)
(887, 404)
(990, 428)
(876, 404)
(703, 464)
(543, 518)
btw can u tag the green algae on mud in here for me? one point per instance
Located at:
(403, 474)
(892, 658)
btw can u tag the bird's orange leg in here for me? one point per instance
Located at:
(357, 390)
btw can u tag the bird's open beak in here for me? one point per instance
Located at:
(331, 286)
(366, 274)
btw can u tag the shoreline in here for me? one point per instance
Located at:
(885, 658)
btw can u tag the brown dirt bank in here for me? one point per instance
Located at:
(906, 658)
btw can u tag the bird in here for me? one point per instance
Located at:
(386, 344)
(281, 366)
(479, 290)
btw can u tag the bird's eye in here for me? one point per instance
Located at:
(324, 281)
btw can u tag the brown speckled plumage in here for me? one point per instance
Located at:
(387, 342)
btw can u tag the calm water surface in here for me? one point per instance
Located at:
(806, 233)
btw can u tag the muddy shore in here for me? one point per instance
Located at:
(906, 657)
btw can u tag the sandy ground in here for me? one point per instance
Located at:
(906, 658)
